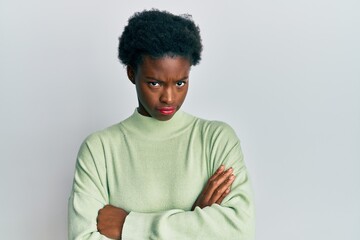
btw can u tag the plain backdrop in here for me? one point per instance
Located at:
(284, 74)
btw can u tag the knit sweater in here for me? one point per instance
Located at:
(155, 170)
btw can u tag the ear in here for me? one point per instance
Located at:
(131, 73)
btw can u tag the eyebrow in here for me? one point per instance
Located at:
(158, 80)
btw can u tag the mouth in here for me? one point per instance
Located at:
(167, 110)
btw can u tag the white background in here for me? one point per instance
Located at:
(284, 74)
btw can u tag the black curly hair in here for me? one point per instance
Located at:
(158, 34)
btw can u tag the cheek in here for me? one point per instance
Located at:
(141, 91)
(146, 95)
(184, 93)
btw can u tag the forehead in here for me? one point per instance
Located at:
(165, 66)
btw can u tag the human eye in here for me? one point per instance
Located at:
(153, 84)
(180, 83)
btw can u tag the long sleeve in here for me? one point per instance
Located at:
(233, 219)
(89, 194)
(157, 176)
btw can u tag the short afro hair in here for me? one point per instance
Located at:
(159, 34)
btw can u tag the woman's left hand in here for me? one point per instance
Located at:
(216, 189)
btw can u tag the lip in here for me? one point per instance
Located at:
(167, 110)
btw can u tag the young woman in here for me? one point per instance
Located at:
(161, 173)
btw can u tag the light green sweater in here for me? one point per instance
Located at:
(155, 170)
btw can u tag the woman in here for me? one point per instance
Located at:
(161, 173)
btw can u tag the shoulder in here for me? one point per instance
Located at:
(99, 139)
(215, 130)
(222, 141)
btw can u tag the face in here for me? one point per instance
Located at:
(161, 85)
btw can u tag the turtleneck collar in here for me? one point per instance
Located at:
(148, 127)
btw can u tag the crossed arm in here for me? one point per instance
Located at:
(232, 219)
(110, 219)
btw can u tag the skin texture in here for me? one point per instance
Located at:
(216, 189)
(110, 221)
(162, 84)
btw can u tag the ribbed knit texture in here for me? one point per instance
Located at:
(155, 170)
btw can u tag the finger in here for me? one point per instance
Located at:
(222, 188)
(219, 201)
(217, 173)
(215, 183)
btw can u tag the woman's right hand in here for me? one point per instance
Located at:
(216, 189)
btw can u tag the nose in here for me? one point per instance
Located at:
(167, 96)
